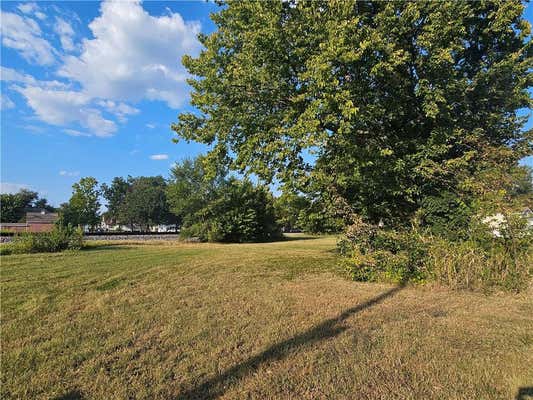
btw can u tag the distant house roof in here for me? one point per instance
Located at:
(41, 217)
(13, 224)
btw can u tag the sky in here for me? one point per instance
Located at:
(91, 88)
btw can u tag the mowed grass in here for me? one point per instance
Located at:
(250, 321)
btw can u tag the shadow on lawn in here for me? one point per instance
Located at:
(524, 393)
(72, 395)
(106, 246)
(216, 386)
(287, 238)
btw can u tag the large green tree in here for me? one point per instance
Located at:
(84, 204)
(114, 194)
(145, 202)
(396, 101)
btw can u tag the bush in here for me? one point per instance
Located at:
(482, 261)
(240, 212)
(386, 256)
(61, 238)
(470, 265)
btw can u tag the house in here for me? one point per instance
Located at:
(36, 221)
(42, 221)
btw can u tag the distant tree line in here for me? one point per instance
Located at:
(204, 205)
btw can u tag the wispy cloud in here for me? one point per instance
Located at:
(159, 157)
(69, 173)
(7, 187)
(6, 103)
(24, 35)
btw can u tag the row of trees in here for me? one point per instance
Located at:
(214, 207)
(14, 205)
(138, 202)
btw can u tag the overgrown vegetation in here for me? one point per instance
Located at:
(482, 261)
(59, 239)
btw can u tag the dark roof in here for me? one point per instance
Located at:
(40, 218)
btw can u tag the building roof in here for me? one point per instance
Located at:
(41, 217)
(13, 224)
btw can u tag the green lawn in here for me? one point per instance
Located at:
(251, 321)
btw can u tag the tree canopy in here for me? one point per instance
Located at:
(84, 204)
(218, 207)
(14, 205)
(395, 101)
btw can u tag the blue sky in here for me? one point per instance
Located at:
(90, 89)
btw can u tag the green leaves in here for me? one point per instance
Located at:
(218, 208)
(389, 95)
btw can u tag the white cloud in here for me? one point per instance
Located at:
(24, 35)
(6, 103)
(6, 187)
(134, 55)
(66, 34)
(11, 75)
(159, 157)
(40, 15)
(121, 110)
(150, 126)
(28, 8)
(74, 132)
(69, 173)
(62, 107)
(56, 107)
(31, 8)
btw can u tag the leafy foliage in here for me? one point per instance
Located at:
(13, 206)
(480, 261)
(115, 195)
(83, 206)
(288, 207)
(220, 209)
(61, 238)
(398, 101)
(145, 202)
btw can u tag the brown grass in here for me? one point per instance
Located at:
(258, 321)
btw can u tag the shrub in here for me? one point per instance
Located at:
(61, 238)
(239, 212)
(480, 262)
(390, 256)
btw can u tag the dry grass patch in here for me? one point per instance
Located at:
(273, 320)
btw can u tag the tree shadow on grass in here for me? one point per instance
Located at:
(72, 395)
(303, 236)
(106, 246)
(524, 393)
(216, 386)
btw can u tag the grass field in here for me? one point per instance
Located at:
(249, 321)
